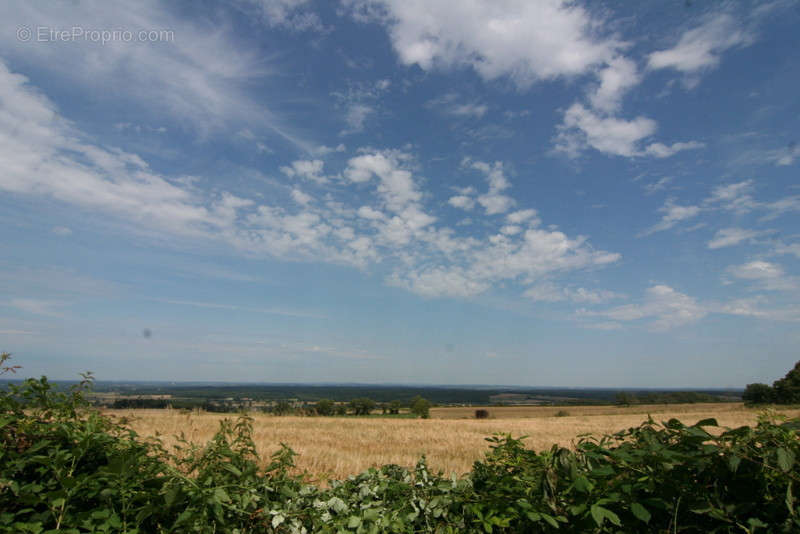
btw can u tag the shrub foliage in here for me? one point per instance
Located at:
(66, 468)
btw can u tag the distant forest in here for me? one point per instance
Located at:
(227, 397)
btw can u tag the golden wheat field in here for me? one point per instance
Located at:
(336, 447)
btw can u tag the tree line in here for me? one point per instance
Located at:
(783, 391)
(361, 406)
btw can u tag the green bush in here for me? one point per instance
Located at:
(421, 407)
(324, 407)
(66, 468)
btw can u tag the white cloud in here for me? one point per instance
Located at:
(450, 104)
(462, 201)
(199, 77)
(368, 213)
(664, 307)
(307, 170)
(615, 79)
(673, 214)
(440, 282)
(786, 157)
(493, 201)
(300, 197)
(779, 207)
(550, 292)
(700, 48)
(583, 128)
(289, 14)
(41, 154)
(660, 150)
(356, 116)
(61, 230)
(526, 41)
(769, 276)
(792, 248)
(751, 307)
(728, 237)
(322, 150)
(360, 102)
(658, 185)
(521, 216)
(36, 306)
(733, 197)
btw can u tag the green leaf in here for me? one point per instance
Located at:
(785, 459)
(233, 469)
(171, 495)
(640, 512)
(550, 520)
(599, 514)
(221, 495)
(707, 422)
(733, 462)
(353, 522)
(583, 484)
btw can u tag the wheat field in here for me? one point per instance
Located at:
(336, 447)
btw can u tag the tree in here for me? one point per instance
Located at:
(758, 394)
(324, 407)
(394, 407)
(282, 407)
(362, 406)
(623, 399)
(421, 407)
(787, 389)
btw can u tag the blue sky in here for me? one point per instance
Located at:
(506, 192)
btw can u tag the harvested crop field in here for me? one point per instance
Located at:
(335, 447)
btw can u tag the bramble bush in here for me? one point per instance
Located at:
(64, 467)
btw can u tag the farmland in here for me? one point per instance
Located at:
(67, 466)
(336, 447)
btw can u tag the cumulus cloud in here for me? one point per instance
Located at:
(301, 197)
(307, 170)
(526, 41)
(614, 80)
(463, 202)
(493, 201)
(584, 128)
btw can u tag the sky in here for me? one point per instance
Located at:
(401, 191)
